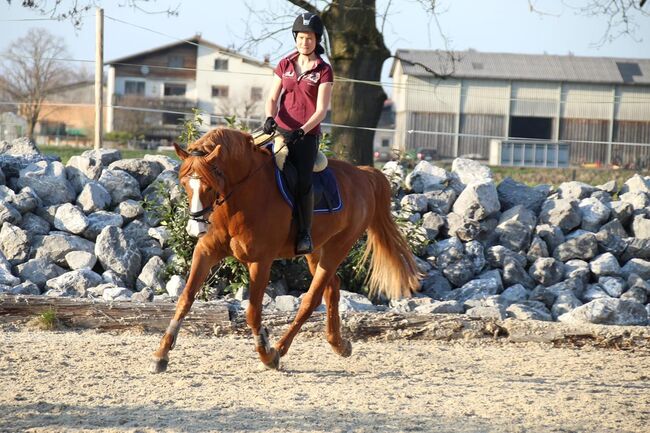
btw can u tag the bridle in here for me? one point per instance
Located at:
(200, 215)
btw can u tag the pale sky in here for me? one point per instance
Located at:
(485, 25)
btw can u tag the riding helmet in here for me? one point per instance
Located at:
(308, 22)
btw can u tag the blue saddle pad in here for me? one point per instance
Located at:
(326, 191)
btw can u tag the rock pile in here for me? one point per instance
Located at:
(577, 253)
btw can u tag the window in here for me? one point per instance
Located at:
(256, 93)
(134, 87)
(172, 118)
(385, 142)
(175, 61)
(220, 64)
(219, 91)
(173, 89)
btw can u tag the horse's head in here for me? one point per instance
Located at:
(203, 182)
(207, 166)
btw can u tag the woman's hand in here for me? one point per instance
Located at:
(269, 126)
(295, 135)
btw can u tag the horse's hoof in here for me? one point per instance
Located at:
(274, 364)
(345, 350)
(158, 365)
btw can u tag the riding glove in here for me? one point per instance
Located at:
(295, 135)
(269, 125)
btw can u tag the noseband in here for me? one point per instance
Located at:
(199, 216)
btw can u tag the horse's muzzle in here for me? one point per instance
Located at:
(196, 228)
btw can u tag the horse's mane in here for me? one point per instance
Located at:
(236, 145)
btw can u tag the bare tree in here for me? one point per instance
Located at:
(74, 10)
(31, 71)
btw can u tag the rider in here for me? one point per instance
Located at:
(299, 98)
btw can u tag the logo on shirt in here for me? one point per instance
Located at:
(288, 73)
(314, 77)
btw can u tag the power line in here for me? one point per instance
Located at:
(336, 125)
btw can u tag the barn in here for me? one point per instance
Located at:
(523, 109)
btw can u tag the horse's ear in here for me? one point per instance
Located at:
(182, 154)
(215, 152)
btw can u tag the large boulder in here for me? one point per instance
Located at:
(48, 180)
(151, 275)
(547, 271)
(144, 171)
(513, 193)
(39, 271)
(56, 245)
(564, 214)
(583, 247)
(100, 219)
(81, 169)
(74, 283)
(94, 197)
(478, 200)
(594, 214)
(120, 185)
(71, 219)
(117, 253)
(14, 243)
(608, 311)
(104, 156)
(465, 171)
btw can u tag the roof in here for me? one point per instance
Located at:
(195, 40)
(534, 67)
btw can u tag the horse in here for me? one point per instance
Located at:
(237, 210)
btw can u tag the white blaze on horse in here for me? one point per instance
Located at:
(233, 196)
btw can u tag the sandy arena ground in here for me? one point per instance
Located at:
(73, 381)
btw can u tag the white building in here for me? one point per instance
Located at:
(169, 81)
(536, 109)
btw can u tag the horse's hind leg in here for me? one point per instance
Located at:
(202, 262)
(259, 279)
(323, 268)
(332, 294)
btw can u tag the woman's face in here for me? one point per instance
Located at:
(306, 42)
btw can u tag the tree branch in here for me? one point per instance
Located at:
(306, 6)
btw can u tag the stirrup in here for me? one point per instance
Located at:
(304, 245)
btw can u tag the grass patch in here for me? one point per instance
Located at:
(65, 152)
(47, 320)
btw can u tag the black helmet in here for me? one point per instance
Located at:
(308, 22)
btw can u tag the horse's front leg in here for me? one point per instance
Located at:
(202, 261)
(259, 279)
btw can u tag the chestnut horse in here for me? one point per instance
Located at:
(231, 181)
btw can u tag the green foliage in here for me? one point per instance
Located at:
(173, 212)
(190, 127)
(47, 320)
(326, 146)
(232, 122)
(352, 273)
(122, 137)
(415, 235)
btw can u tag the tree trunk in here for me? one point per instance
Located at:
(357, 51)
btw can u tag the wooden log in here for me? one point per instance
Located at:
(118, 315)
(215, 319)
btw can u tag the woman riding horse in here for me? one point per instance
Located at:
(303, 85)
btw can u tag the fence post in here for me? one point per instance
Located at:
(99, 77)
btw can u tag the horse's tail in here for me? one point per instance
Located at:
(392, 271)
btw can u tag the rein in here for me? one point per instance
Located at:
(221, 200)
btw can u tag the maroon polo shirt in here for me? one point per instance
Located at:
(300, 92)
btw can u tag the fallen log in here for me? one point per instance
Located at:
(215, 319)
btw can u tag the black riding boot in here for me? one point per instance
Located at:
(305, 212)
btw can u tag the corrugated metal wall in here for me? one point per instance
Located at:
(479, 124)
(534, 99)
(435, 96)
(485, 97)
(631, 132)
(633, 104)
(582, 101)
(585, 130)
(438, 122)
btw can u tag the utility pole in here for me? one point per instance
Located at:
(99, 77)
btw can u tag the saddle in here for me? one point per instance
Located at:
(324, 186)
